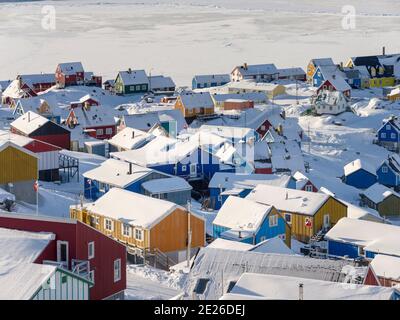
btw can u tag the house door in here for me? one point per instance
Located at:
(193, 169)
(63, 252)
(327, 221)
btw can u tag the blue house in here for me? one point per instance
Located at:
(210, 80)
(114, 173)
(388, 135)
(197, 157)
(360, 238)
(359, 174)
(388, 172)
(225, 184)
(249, 222)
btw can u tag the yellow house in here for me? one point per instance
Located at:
(394, 95)
(145, 223)
(271, 90)
(195, 104)
(306, 212)
(314, 64)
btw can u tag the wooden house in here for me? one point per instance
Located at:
(388, 172)
(86, 101)
(19, 171)
(302, 182)
(292, 74)
(356, 238)
(17, 89)
(359, 174)
(70, 74)
(147, 224)
(249, 222)
(77, 250)
(383, 271)
(210, 80)
(382, 199)
(36, 105)
(161, 84)
(308, 213)
(394, 95)
(271, 90)
(40, 128)
(129, 139)
(195, 104)
(314, 64)
(238, 101)
(256, 72)
(38, 82)
(131, 82)
(388, 135)
(330, 102)
(335, 83)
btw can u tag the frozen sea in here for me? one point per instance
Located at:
(186, 37)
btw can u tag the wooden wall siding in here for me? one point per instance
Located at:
(179, 106)
(171, 233)
(17, 166)
(390, 206)
(168, 235)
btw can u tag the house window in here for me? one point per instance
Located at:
(139, 234)
(273, 220)
(126, 230)
(138, 88)
(91, 276)
(384, 169)
(361, 251)
(184, 168)
(393, 135)
(263, 127)
(108, 224)
(282, 236)
(388, 127)
(383, 135)
(263, 238)
(132, 88)
(117, 270)
(144, 87)
(91, 250)
(309, 188)
(109, 130)
(288, 218)
(63, 252)
(99, 132)
(219, 198)
(102, 187)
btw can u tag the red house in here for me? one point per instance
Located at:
(93, 120)
(335, 83)
(85, 101)
(40, 128)
(70, 74)
(383, 271)
(78, 248)
(39, 82)
(303, 182)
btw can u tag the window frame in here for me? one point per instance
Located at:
(140, 231)
(124, 226)
(91, 244)
(273, 220)
(119, 269)
(111, 224)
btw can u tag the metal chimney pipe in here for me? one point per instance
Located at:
(301, 292)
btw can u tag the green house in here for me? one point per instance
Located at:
(131, 82)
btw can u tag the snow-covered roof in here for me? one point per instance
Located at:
(249, 96)
(331, 98)
(323, 62)
(130, 138)
(287, 72)
(301, 180)
(116, 173)
(29, 122)
(286, 155)
(208, 78)
(378, 193)
(357, 165)
(257, 69)
(133, 77)
(210, 263)
(96, 116)
(70, 68)
(230, 180)
(19, 276)
(255, 86)
(34, 79)
(15, 91)
(290, 200)
(197, 100)
(364, 213)
(161, 82)
(235, 133)
(338, 82)
(241, 214)
(277, 287)
(167, 185)
(387, 267)
(146, 120)
(376, 237)
(136, 209)
(220, 243)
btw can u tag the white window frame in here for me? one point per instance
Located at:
(388, 127)
(385, 169)
(109, 130)
(111, 224)
(91, 275)
(139, 231)
(99, 132)
(184, 168)
(59, 243)
(290, 220)
(383, 135)
(392, 135)
(117, 277)
(273, 220)
(361, 251)
(102, 187)
(126, 227)
(91, 254)
(309, 188)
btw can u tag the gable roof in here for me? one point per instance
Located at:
(287, 72)
(257, 69)
(240, 214)
(167, 185)
(96, 116)
(373, 236)
(323, 62)
(393, 162)
(130, 138)
(277, 287)
(14, 90)
(161, 82)
(338, 82)
(387, 267)
(70, 68)
(29, 122)
(378, 193)
(291, 200)
(133, 77)
(197, 100)
(116, 173)
(212, 78)
(356, 165)
(132, 208)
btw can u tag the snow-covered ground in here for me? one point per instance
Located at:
(187, 37)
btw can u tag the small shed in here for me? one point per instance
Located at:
(381, 198)
(359, 174)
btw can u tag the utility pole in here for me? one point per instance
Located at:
(297, 92)
(189, 237)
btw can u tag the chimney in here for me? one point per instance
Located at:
(29, 117)
(287, 195)
(133, 134)
(240, 234)
(334, 76)
(383, 50)
(301, 292)
(245, 67)
(129, 70)
(19, 78)
(130, 168)
(341, 65)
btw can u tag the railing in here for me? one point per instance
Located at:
(81, 267)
